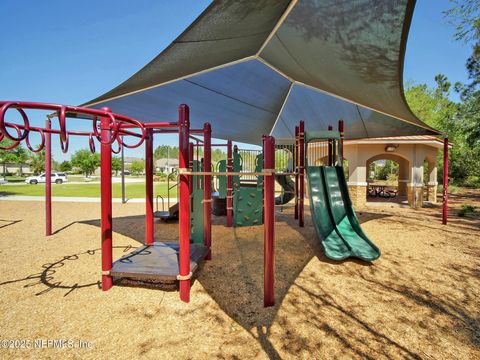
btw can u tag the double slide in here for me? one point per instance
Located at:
(334, 218)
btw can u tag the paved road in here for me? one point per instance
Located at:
(114, 180)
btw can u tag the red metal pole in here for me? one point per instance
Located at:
(445, 181)
(330, 148)
(149, 227)
(106, 201)
(48, 179)
(296, 171)
(229, 185)
(301, 170)
(184, 206)
(269, 223)
(340, 145)
(207, 188)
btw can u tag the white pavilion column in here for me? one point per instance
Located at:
(357, 180)
(415, 187)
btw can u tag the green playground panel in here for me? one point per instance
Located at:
(222, 180)
(237, 167)
(248, 201)
(248, 206)
(196, 207)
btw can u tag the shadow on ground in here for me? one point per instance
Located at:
(338, 302)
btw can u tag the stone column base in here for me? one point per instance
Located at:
(402, 187)
(411, 195)
(432, 192)
(358, 195)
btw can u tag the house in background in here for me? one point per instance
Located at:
(16, 169)
(166, 165)
(128, 164)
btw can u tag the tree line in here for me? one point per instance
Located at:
(460, 120)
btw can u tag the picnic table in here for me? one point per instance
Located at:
(386, 191)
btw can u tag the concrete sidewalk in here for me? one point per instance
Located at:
(74, 199)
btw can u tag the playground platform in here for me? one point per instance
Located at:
(156, 263)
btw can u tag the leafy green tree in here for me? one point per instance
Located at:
(65, 166)
(6, 156)
(465, 16)
(116, 164)
(21, 155)
(137, 167)
(217, 155)
(38, 162)
(456, 119)
(86, 161)
(384, 172)
(165, 151)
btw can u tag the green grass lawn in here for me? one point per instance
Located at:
(133, 190)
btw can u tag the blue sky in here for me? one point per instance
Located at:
(72, 51)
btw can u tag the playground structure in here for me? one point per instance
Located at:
(156, 261)
(249, 190)
(242, 193)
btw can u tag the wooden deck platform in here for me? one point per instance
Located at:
(156, 263)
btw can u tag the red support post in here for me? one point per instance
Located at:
(48, 178)
(269, 223)
(445, 181)
(207, 188)
(340, 145)
(301, 170)
(106, 201)
(330, 148)
(229, 185)
(184, 206)
(149, 227)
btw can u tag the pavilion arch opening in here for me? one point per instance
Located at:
(388, 178)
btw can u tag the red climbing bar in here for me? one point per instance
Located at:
(154, 125)
(184, 207)
(445, 181)
(149, 187)
(340, 145)
(229, 185)
(295, 162)
(269, 223)
(48, 179)
(207, 188)
(106, 201)
(301, 170)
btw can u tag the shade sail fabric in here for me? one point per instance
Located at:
(258, 67)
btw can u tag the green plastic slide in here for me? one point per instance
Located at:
(288, 189)
(334, 218)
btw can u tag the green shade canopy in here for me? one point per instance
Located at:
(258, 67)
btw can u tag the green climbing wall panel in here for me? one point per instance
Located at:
(222, 180)
(248, 206)
(196, 207)
(248, 201)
